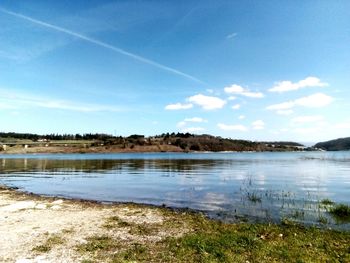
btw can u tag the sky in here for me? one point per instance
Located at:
(256, 70)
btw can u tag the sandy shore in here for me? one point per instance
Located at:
(40, 229)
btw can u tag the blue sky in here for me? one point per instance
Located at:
(258, 70)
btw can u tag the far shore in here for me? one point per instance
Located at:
(112, 149)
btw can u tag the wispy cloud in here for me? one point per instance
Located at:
(236, 107)
(19, 100)
(238, 90)
(258, 125)
(179, 106)
(287, 85)
(186, 121)
(102, 44)
(232, 35)
(207, 102)
(235, 127)
(195, 119)
(285, 112)
(316, 100)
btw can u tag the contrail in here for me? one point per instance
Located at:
(102, 44)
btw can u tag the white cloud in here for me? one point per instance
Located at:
(236, 89)
(307, 119)
(195, 119)
(210, 91)
(282, 106)
(287, 85)
(258, 125)
(192, 130)
(316, 100)
(207, 102)
(285, 112)
(181, 124)
(241, 117)
(237, 127)
(236, 106)
(231, 98)
(342, 125)
(179, 106)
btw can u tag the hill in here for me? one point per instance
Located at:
(166, 142)
(341, 144)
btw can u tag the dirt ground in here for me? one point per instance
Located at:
(40, 229)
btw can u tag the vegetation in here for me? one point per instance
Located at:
(326, 201)
(165, 142)
(51, 241)
(341, 211)
(334, 145)
(214, 241)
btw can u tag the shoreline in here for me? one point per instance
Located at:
(36, 228)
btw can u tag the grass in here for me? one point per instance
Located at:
(114, 222)
(326, 201)
(341, 211)
(98, 243)
(213, 241)
(134, 229)
(51, 241)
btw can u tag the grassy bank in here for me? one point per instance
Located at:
(212, 241)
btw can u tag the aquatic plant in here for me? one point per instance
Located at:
(341, 211)
(327, 201)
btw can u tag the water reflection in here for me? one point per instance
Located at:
(226, 186)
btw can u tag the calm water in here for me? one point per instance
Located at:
(255, 186)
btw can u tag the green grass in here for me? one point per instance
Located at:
(52, 241)
(134, 229)
(213, 241)
(98, 243)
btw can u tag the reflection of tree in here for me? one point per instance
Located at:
(105, 165)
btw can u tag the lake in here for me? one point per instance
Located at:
(227, 186)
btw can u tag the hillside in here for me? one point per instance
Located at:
(341, 144)
(174, 142)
